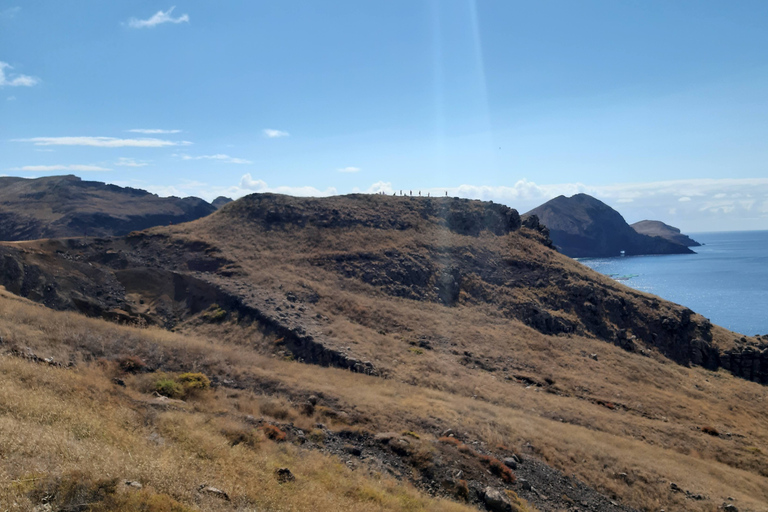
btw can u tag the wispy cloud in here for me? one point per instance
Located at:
(158, 18)
(349, 169)
(15, 80)
(153, 131)
(103, 142)
(274, 134)
(222, 158)
(51, 168)
(714, 205)
(130, 162)
(9, 13)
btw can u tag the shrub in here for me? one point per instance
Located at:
(240, 435)
(78, 491)
(167, 386)
(316, 436)
(277, 409)
(711, 431)
(462, 490)
(450, 441)
(499, 469)
(214, 313)
(274, 433)
(182, 386)
(131, 364)
(411, 433)
(193, 383)
(518, 503)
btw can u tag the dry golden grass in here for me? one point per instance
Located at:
(56, 420)
(597, 419)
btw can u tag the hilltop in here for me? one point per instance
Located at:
(584, 227)
(429, 337)
(66, 206)
(658, 228)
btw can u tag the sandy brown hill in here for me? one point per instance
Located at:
(584, 227)
(658, 228)
(66, 206)
(459, 303)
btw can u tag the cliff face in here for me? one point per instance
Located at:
(407, 255)
(66, 206)
(582, 226)
(658, 228)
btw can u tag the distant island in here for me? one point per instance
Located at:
(66, 206)
(658, 228)
(581, 226)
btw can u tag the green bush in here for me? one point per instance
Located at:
(182, 386)
(193, 382)
(167, 386)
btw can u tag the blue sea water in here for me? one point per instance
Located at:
(726, 280)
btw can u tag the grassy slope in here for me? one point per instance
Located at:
(624, 413)
(57, 421)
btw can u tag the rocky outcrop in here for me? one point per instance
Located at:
(66, 206)
(461, 216)
(658, 228)
(582, 226)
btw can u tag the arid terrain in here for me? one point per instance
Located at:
(393, 353)
(60, 206)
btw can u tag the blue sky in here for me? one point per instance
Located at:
(658, 108)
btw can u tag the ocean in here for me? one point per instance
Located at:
(726, 280)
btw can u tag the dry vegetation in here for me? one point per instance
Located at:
(74, 434)
(57, 420)
(627, 424)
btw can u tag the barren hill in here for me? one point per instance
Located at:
(582, 226)
(436, 335)
(66, 206)
(658, 228)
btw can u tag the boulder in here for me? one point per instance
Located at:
(496, 500)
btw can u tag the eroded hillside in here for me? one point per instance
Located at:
(452, 316)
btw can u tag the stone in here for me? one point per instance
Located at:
(353, 450)
(730, 507)
(525, 484)
(133, 484)
(510, 462)
(496, 500)
(284, 475)
(213, 491)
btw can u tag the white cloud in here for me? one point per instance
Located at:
(249, 185)
(51, 168)
(10, 98)
(223, 158)
(684, 199)
(381, 186)
(273, 134)
(349, 169)
(742, 203)
(153, 131)
(158, 18)
(130, 162)
(14, 80)
(102, 142)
